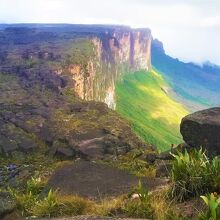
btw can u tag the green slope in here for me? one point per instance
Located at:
(143, 98)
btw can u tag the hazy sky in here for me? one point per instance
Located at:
(189, 29)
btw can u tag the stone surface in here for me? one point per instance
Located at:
(7, 203)
(95, 181)
(202, 128)
(163, 168)
(151, 157)
(164, 156)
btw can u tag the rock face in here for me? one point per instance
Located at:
(95, 181)
(44, 75)
(202, 128)
(115, 52)
(7, 203)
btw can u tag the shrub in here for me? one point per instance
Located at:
(213, 174)
(194, 174)
(213, 204)
(46, 207)
(35, 185)
(74, 205)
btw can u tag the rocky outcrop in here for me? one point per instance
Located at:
(39, 79)
(7, 203)
(202, 128)
(115, 52)
(95, 181)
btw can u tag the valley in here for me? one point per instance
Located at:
(144, 99)
(91, 124)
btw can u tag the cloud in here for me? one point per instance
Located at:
(189, 28)
(213, 21)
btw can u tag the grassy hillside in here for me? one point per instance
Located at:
(195, 86)
(143, 98)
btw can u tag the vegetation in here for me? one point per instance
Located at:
(194, 174)
(35, 201)
(213, 203)
(143, 98)
(133, 163)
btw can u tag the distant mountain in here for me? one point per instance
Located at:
(196, 86)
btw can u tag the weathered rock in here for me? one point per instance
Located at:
(163, 168)
(151, 157)
(181, 147)
(95, 181)
(66, 152)
(164, 156)
(8, 145)
(26, 144)
(202, 128)
(7, 203)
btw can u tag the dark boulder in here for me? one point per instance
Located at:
(202, 128)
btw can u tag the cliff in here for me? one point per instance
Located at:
(114, 52)
(93, 57)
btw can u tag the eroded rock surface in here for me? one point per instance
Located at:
(96, 181)
(202, 128)
(7, 203)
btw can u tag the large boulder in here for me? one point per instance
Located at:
(95, 181)
(202, 128)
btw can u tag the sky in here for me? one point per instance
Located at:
(189, 29)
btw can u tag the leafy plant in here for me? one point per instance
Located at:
(142, 192)
(189, 174)
(213, 203)
(139, 207)
(213, 174)
(35, 185)
(47, 206)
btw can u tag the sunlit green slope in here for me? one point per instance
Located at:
(143, 98)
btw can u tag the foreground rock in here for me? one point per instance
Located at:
(95, 181)
(7, 203)
(202, 128)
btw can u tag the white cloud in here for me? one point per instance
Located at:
(190, 29)
(213, 21)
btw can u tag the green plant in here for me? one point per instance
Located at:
(189, 174)
(47, 206)
(139, 206)
(137, 209)
(35, 185)
(213, 174)
(213, 203)
(132, 163)
(142, 192)
(25, 201)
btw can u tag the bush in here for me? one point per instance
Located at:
(194, 174)
(35, 185)
(46, 207)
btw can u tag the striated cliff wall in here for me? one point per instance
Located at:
(114, 53)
